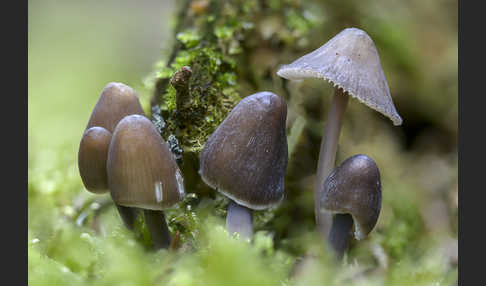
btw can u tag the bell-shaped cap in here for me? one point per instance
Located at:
(92, 155)
(354, 188)
(350, 61)
(116, 101)
(246, 156)
(141, 169)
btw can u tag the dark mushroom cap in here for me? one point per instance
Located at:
(354, 187)
(246, 157)
(92, 155)
(141, 169)
(350, 61)
(116, 101)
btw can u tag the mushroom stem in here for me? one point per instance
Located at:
(340, 233)
(128, 215)
(239, 219)
(157, 226)
(327, 154)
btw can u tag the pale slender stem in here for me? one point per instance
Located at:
(128, 215)
(327, 155)
(157, 226)
(239, 219)
(340, 233)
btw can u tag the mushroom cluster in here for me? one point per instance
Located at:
(351, 62)
(122, 152)
(116, 101)
(245, 158)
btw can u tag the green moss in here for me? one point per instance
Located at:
(212, 88)
(142, 233)
(405, 227)
(224, 32)
(170, 99)
(212, 94)
(46, 271)
(190, 38)
(429, 270)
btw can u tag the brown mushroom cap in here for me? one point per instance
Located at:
(141, 169)
(116, 101)
(92, 154)
(354, 188)
(246, 157)
(350, 61)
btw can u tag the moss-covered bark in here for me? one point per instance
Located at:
(225, 50)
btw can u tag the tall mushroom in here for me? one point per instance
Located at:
(116, 101)
(246, 157)
(350, 61)
(352, 194)
(142, 173)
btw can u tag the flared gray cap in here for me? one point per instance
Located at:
(116, 101)
(92, 156)
(141, 169)
(350, 61)
(354, 188)
(246, 156)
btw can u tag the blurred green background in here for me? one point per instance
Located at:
(76, 47)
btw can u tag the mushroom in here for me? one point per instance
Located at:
(246, 157)
(142, 173)
(352, 194)
(116, 101)
(92, 154)
(350, 61)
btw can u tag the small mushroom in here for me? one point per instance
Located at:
(352, 194)
(92, 154)
(142, 173)
(246, 157)
(116, 101)
(350, 61)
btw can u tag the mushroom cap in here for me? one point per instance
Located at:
(350, 61)
(246, 157)
(116, 101)
(141, 169)
(354, 188)
(92, 155)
